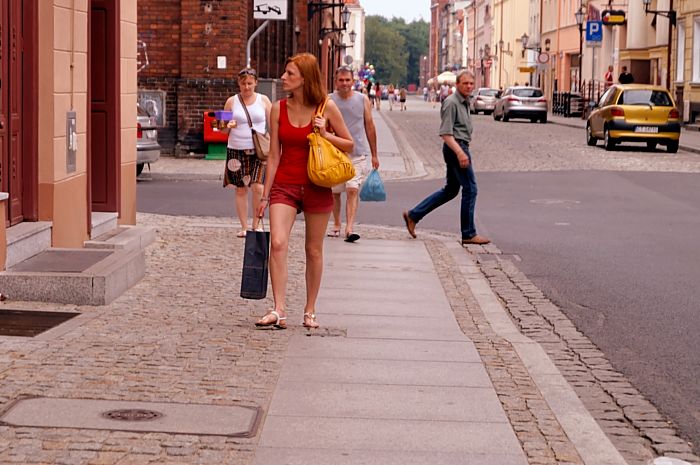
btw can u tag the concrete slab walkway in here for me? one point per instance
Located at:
(404, 386)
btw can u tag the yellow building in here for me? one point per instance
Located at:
(67, 122)
(685, 59)
(510, 22)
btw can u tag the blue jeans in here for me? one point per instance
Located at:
(456, 177)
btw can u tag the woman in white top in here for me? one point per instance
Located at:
(243, 168)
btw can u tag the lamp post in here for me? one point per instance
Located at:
(580, 15)
(671, 15)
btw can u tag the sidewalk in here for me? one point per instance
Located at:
(690, 140)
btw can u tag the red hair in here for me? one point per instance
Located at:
(314, 89)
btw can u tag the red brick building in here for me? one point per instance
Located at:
(183, 45)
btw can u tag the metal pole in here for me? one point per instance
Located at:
(250, 41)
(580, 55)
(670, 38)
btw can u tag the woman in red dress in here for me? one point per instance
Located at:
(287, 188)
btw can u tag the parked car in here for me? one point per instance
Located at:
(635, 113)
(521, 102)
(484, 99)
(147, 147)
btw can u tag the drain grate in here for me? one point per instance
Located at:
(132, 414)
(29, 323)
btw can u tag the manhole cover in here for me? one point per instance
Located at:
(29, 323)
(132, 415)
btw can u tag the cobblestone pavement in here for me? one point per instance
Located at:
(634, 425)
(524, 146)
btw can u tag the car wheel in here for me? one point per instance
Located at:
(139, 168)
(543, 120)
(533, 120)
(672, 146)
(651, 145)
(590, 139)
(505, 117)
(609, 141)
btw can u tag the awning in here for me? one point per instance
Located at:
(448, 77)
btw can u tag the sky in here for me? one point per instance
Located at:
(408, 9)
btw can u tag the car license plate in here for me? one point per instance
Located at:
(651, 129)
(150, 134)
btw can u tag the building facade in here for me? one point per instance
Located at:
(67, 116)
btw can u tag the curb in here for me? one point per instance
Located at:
(592, 444)
(415, 170)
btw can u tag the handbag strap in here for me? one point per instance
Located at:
(319, 112)
(247, 115)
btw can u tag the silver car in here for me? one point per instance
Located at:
(484, 99)
(147, 146)
(521, 102)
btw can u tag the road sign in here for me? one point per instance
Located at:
(526, 69)
(270, 9)
(348, 59)
(614, 17)
(594, 31)
(543, 58)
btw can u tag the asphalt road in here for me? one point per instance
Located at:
(616, 248)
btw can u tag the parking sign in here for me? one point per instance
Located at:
(594, 31)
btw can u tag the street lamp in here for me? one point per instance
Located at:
(671, 15)
(580, 15)
(524, 39)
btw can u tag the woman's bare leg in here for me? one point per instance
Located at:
(242, 206)
(281, 221)
(257, 190)
(315, 232)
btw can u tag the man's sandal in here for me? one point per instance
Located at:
(278, 322)
(310, 321)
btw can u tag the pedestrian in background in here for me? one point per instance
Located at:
(402, 98)
(456, 133)
(244, 170)
(625, 76)
(392, 97)
(357, 114)
(378, 97)
(287, 188)
(609, 76)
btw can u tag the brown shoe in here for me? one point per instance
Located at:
(478, 240)
(410, 224)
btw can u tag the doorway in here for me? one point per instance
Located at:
(104, 134)
(18, 90)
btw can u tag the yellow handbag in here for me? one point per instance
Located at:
(328, 166)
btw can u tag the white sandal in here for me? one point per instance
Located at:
(312, 317)
(279, 322)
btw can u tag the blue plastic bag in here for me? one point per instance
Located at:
(373, 188)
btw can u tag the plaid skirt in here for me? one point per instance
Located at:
(243, 168)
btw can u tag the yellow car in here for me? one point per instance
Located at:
(635, 113)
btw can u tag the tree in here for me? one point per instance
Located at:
(395, 48)
(385, 48)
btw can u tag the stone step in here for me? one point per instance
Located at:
(124, 238)
(27, 239)
(102, 223)
(86, 276)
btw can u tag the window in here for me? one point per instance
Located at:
(696, 50)
(680, 55)
(528, 92)
(645, 97)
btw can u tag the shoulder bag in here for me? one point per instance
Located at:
(260, 141)
(328, 166)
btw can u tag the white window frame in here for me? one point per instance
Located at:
(680, 52)
(696, 50)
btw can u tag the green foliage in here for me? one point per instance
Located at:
(395, 48)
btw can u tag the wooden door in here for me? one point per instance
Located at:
(11, 93)
(104, 105)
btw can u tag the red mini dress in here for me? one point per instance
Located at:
(291, 185)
